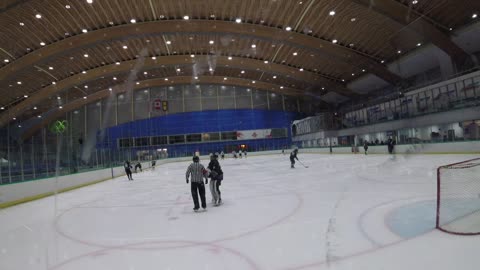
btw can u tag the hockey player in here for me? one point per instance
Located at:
(128, 170)
(293, 156)
(234, 154)
(222, 154)
(240, 153)
(196, 172)
(245, 153)
(365, 147)
(154, 162)
(216, 176)
(138, 166)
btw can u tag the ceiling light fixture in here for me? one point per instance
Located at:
(229, 58)
(85, 97)
(419, 44)
(334, 41)
(133, 21)
(254, 46)
(243, 71)
(38, 16)
(168, 42)
(154, 58)
(238, 20)
(332, 13)
(19, 82)
(84, 30)
(274, 77)
(125, 47)
(186, 17)
(295, 54)
(266, 62)
(42, 43)
(25, 96)
(474, 16)
(117, 63)
(414, 2)
(253, 81)
(301, 69)
(166, 79)
(281, 87)
(114, 78)
(67, 6)
(288, 28)
(211, 42)
(225, 78)
(178, 70)
(85, 55)
(89, 1)
(192, 55)
(353, 19)
(6, 60)
(84, 72)
(22, 24)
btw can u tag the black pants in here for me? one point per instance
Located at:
(292, 161)
(198, 188)
(129, 174)
(217, 185)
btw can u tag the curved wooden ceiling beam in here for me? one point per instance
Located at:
(149, 63)
(402, 14)
(157, 82)
(324, 47)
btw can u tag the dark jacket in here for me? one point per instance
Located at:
(216, 169)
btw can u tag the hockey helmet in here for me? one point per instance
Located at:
(196, 159)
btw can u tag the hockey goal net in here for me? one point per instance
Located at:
(458, 197)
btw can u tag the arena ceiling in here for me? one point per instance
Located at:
(85, 50)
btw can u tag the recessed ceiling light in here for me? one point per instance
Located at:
(67, 6)
(85, 55)
(238, 20)
(210, 69)
(178, 70)
(266, 62)
(14, 118)
(60, 107)
(6, 60)
(145, 72)
(25, 96)
(196, 78)
(168, 42)
(414, 2)
(351, 45)
(117, 63)
(212, 16)
(323, 88)
(54, 83)
(295, 54)
(50, 68)
(353, 19)
(353, 74)
(254, 46)
(89, 1)
(399, 51)
(211, 42)
(84, 72)
(229, 58)
(166, 79)
(192, 55)
(162, 16)
(42, 43)
(301, 69)
(39, 116)
(343, 80)
(111, 23)
(110, 89)
(86, 86)
(35, 107)
(22, 24)
(363, 70)
(137, 83)
(85, 97)
(3, 108)
(281, 87)
(332, 13)
(288, 28)
(274, 77)
(154, 58)
(59, 97)
(186, 17)
(84, 30)
(225, 78)
(243, 71)
(133, 21)
(253, 81)
(19, 82)
(383, 61)
(125, 47)
(474, 16)
(334, 41)
(419, 44)
(38, 16)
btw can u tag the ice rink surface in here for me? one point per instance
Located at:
(343, 212)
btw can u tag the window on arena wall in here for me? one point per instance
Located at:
(176, 139)
(192, 98)
(194, 137)
(141, 104)
(175, 99)
(209, 97)
(260, 99)
(143, 141)
(226, 97)
(228, 136)
(209, 137)
(275, 101)
(125, 142)
(243, 98)
(160, 140)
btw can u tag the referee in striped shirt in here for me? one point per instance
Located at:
(196, 171)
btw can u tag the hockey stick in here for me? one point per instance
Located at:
(302, 164)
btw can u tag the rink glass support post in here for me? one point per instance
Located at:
(437, 221)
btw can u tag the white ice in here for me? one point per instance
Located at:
(332, 215)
